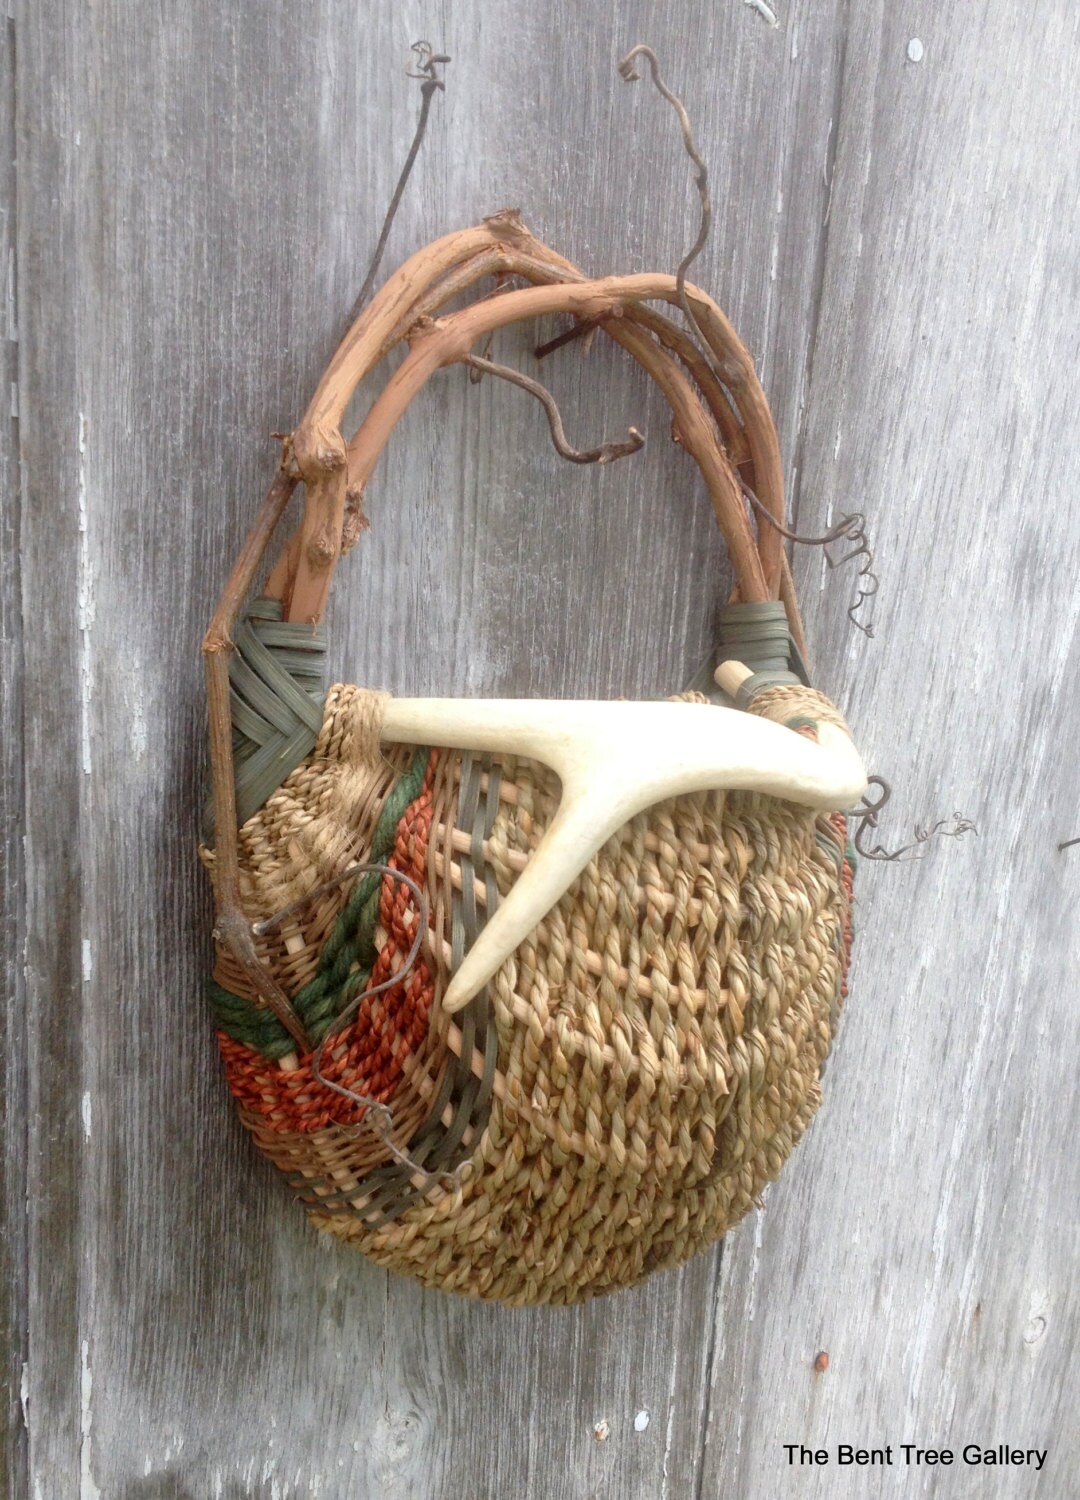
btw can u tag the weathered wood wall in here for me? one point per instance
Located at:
(191, 194)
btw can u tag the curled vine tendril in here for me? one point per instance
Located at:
(428, 63)
(850, 528)
(866, 818)
(629, 73)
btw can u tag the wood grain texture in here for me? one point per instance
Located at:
(13, 1288)
(930, 1236)
(197, 197)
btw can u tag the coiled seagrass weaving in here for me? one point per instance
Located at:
(527, 1000)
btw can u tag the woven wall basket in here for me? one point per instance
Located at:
(525, 999)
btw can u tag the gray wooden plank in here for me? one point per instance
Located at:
(48, 229)
(216, 183)
(13, 1290)
(188, 1313)
(928, 1236)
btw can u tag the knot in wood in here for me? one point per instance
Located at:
(508, 224)
(356, 522)
(424, 327)
(318, 451)
(322, 551)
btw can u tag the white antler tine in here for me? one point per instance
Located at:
(615, 760)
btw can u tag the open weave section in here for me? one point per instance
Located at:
(631, 1078)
